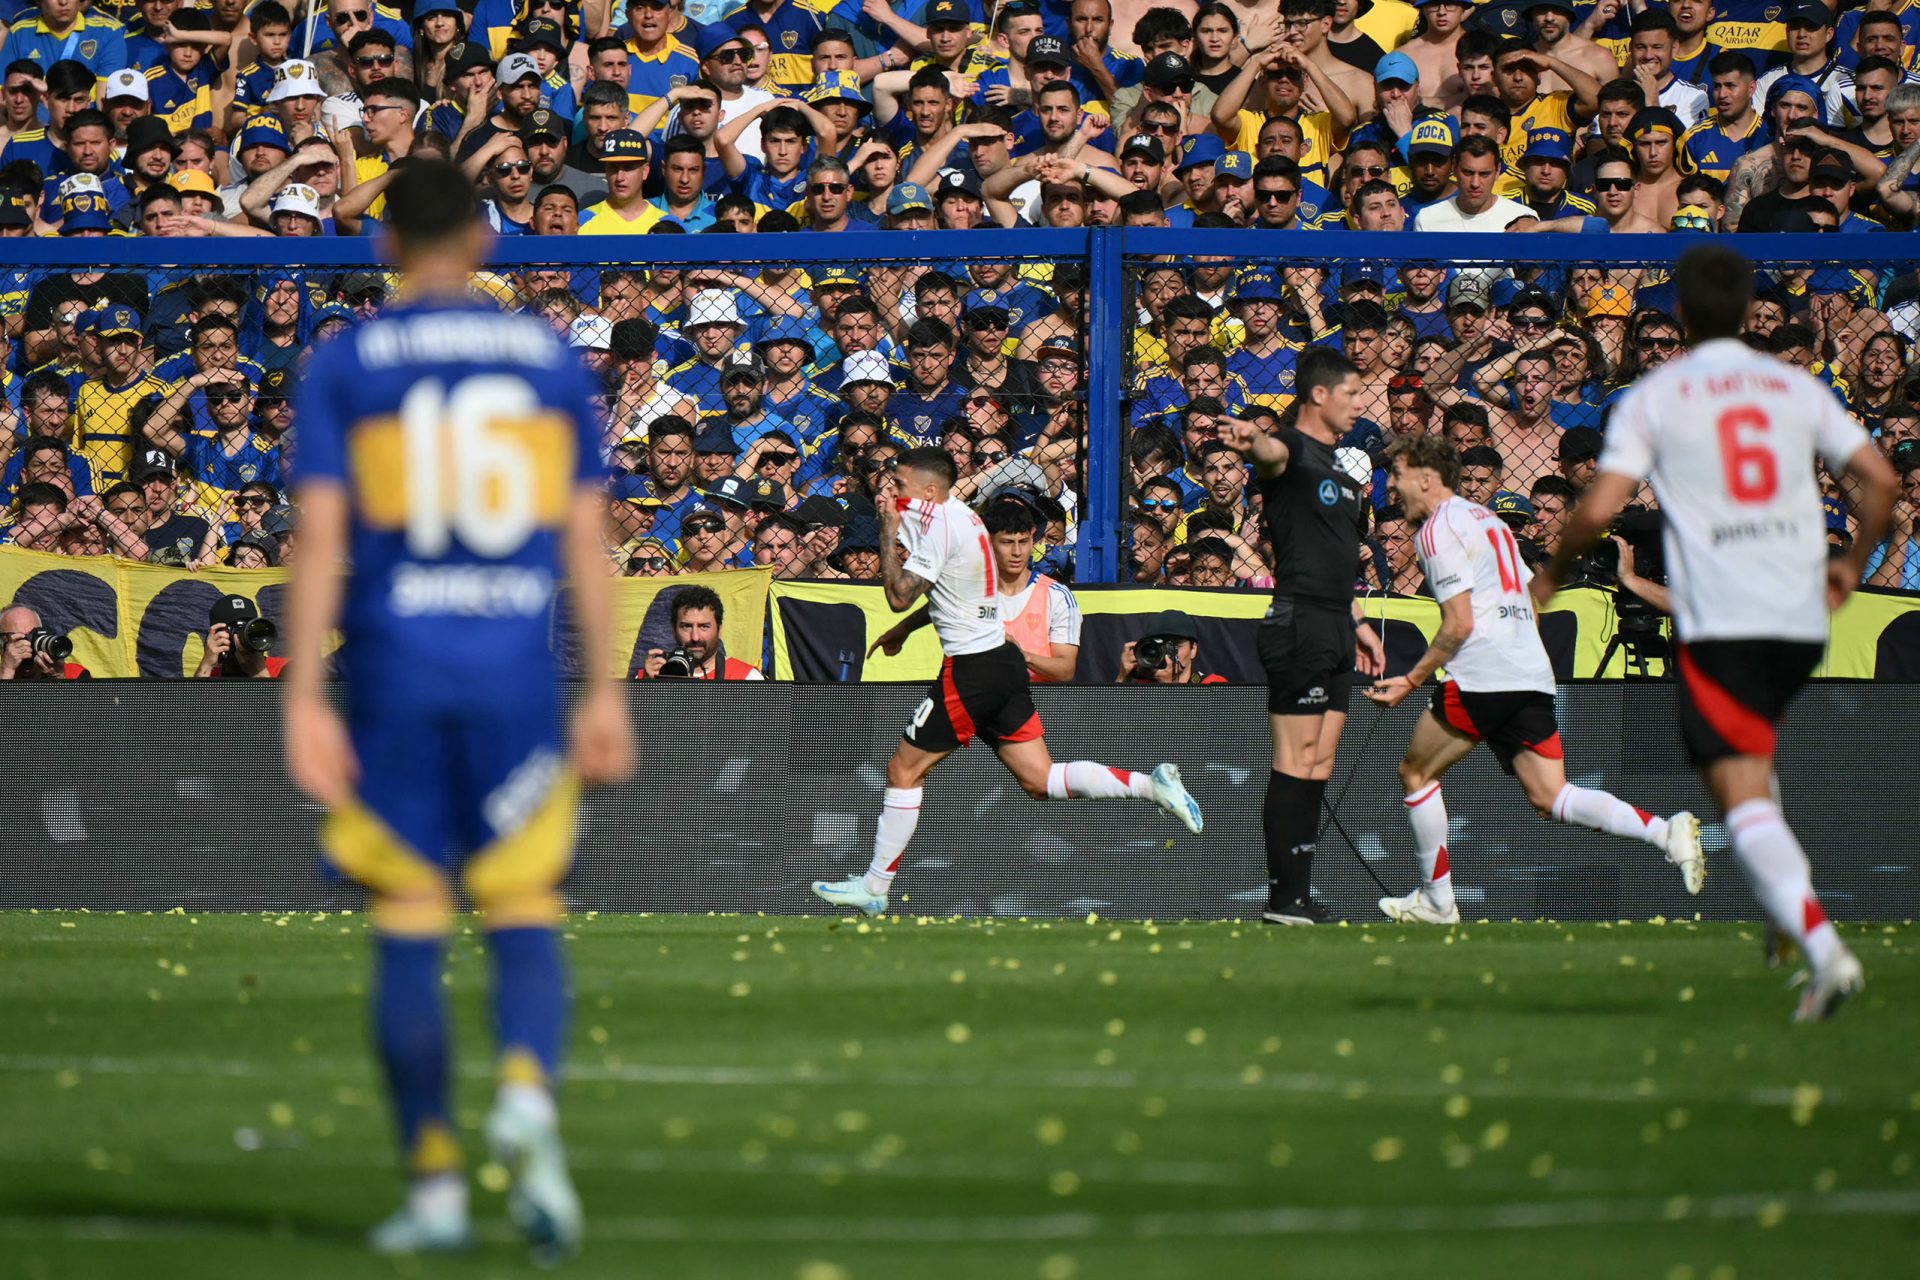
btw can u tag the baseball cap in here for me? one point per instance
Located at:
(1147, 145)
(1234, 164)
(1396, 66)
(624, 146)
(632, 489)
(197, 181)
(1199, 149)
(907, 197)
(1528, 297)
(125, 83)
(235, 609)
(820, 511)
(1047, 51)
(861, 534)
(1503, 291)
(1512, 507)
(153, 462)
(1167, 70)
(1548, 144)
(742, 364)
(116, 319)
(713, 306)
(732, 491)
(542, 31)
(1177, 623)
(1256, 288)
(1061, 346)
(542, 123)
(716, 439)
(954, 182)
(590, 333)
(784, 329)
(12, 214)
(263, 129)
(465, 56)
(765, 493)
(1835, 512)
(1830, 166)
(1363, 273)
(516, 67)
(1434, 134)
(1577, 444)
(1468, 291)
(1609, 300)
(1501, 19)
(712, 38)
(950, 11)
(865, 366)
(296, 197)
(296, 78)
(275, 384)
(1811, 13)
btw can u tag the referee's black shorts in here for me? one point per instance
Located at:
(1734, 693)
(1307, 650)
(976, 693)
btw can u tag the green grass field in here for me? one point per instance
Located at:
(802, 1097)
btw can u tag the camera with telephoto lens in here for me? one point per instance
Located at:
(255, 635)
(677, 665)
(1153, 653)
(49, 644)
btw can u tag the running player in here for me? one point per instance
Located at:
(1315, 513)
(1729, 437)
(1499, 687)
(449, 452)
(982, 686)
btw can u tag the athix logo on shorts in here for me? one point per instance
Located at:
(1329, 493)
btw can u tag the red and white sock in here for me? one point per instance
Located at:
(1085, 780)
(899, 815)
(1427, 815)
(1604, 811)
(1781, 878)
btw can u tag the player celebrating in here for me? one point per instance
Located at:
(1729, 437)
(448, 451)
(1315, 515)
(982, 687)
(1499, 687)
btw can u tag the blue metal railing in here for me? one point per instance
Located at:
(1107, 253)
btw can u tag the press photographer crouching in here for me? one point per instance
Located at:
(1165, 653)
(28, 651)
(238, 640)
(697, 653)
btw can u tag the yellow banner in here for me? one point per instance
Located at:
(126, 618)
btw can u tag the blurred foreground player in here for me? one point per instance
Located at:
(448, 453)
(982, 686)
(1729, 438)
(1499, 687)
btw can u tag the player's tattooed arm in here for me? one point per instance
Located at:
(902, 588)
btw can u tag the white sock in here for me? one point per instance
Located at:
(1427, 815)
(1604, 811)
(1781, 878)
(1085, 780)
(899, 815)
(535, 1100)
(438, 1195)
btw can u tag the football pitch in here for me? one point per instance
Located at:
(774, 1097)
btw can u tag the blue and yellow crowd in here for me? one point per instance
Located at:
(750, 408)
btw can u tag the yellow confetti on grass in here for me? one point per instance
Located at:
(1386, 1150)
(1196, 1036)
(1059, 1266)
(1459, 1106)
(1051, 1131)
(1495, 1135)
(494, 1177)
(959, 1033)
(1064, 1182)
(1771, 1215)
(1806, 1101)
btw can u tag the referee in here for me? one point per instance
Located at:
(1315, 516)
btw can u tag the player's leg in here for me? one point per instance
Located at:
(523, 820)
(1732, 694)
(376, 841)
(1433, 749)
(1544, 777)
(940, 726)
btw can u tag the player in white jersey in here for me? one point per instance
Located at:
(1499, 687)
(982, 686)
(1729, 438)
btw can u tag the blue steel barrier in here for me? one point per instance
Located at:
(1106, 251)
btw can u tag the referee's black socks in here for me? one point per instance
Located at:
(1290, 821)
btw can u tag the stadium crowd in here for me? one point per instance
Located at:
(149, 413)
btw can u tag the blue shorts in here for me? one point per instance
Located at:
(481, 790)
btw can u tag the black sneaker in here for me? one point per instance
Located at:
(1300, 911)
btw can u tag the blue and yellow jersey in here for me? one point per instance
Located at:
(1126, 70)
(769, 191)
(1269, 378)
(220, 472)
(460, 433)
(1318, 140)
(654, 75)
(1710, 149)
(790, 31)
(175, 369)
(38, 146)
(1546, 111)
(102, 430)
(98, 42)
(184, 102)
(251, 84)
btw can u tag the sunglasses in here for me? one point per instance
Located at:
(1531, 322)
(648, 562)
(225, 396)
(826, 188)
(1613, 184)
(777, 459)
(1159, 504)
(705, 526)
(1272, 193)
(730, 55)
(1658, 344)
(986, 322)
(871, 465)
(1368, 170)
(507, 167)
(373, 60)
(349, 17)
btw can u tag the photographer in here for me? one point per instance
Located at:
(1165, 654)
(698, 653)
(237, 643)
(28, 651)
